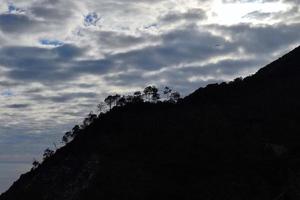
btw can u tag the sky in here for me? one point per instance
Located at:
(60, 58)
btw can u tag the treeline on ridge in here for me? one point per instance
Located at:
(151, 94)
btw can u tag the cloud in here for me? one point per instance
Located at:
(16, 23)
(187, 16)
(17, 106)
(290, 15)
(190, 44)
(177, 47)
(38, 64)
(258, 15)
(256, 40)
(249, 1)
(64, 97)
(189, 77)
(8, 83)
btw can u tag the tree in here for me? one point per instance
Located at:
(171, 96)
(129, 98)
(121, 101)
(155, 97)
(148, 93)
(151, 94)
(174, 97)
(109, 101)
(89, 119)
(137, 97)
(35, 164)
(101, 107)
(67, 137)
(238, 80)
(167, 92)
(75, 130)
(47, 153)
(112, 100)
(92, 117)
(116, 98)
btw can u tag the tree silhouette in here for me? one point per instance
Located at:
(112, 100)
(174, 97)
(35, 164)
(67, 137)
(109, 101)
(92, 117)
(116, 98)
(47, 153)
(129, 98)
(89, 119)
(75, 130)
(151, 94)
(167, 92)
(121, 101)
(137, 97)
(101, 107)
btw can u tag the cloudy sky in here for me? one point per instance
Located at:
(59, 58)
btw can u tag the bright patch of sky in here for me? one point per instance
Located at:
(233, 13)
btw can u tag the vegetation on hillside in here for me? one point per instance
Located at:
(150, 94)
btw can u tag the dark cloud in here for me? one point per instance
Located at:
(17, 23)
(33, 90)
(177, 47)
(64, 97)
(191, 15)
(68, 51)
(112, 40)
(86, 85)
(17, 106)
(39, 64)
(9, 83)
(180, 47)
(130, 79)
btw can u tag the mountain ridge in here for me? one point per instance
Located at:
(236, 140)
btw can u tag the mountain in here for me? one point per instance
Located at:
(236, 140)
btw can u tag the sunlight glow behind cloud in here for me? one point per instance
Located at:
(231, 13)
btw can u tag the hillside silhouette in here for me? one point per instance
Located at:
(236, 140)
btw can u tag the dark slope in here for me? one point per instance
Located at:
(227, 141)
